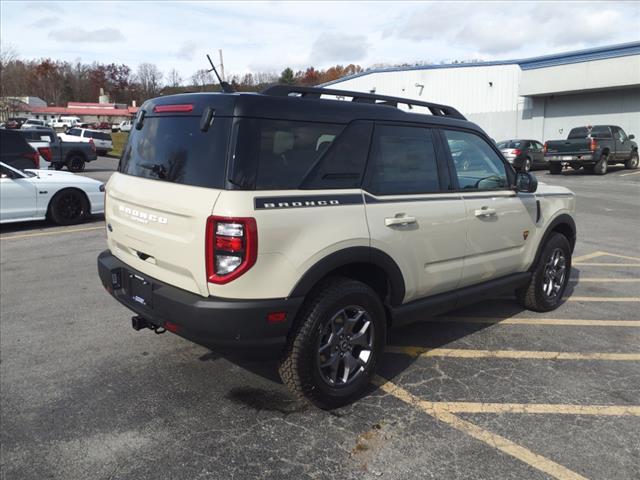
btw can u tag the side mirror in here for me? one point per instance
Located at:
(526, 182)
(631, 137)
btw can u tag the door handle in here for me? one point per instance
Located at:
(486, 212)
(399, 219)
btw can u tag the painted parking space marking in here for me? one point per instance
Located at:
(598, 264)
(57, 232)
(493, 440)
(416, 352)
(601, 299)
(631, 173)
(604, 280)
(538, 321)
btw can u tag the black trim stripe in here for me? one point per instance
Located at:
(371, 199)
(306, 201)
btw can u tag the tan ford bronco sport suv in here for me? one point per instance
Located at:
(302, 223)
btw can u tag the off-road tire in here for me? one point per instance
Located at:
(555, 168)
(299, 368)
(532, 296)
(632, 163)
(68, 207)
(602, 165)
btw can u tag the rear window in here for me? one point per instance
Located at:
(174, 149)
(279, 154)
(510, 144)
(595, 132)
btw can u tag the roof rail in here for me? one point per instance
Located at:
(360, 97)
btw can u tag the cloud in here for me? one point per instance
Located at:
(338, 47)
(76, 34)
(45, 22)
(186, 51)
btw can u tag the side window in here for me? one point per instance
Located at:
(477, 166)
(622, 135)
(7, 173)
(403, 161)
(342, 166)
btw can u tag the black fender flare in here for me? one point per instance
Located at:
(562, 219)
(353, 255)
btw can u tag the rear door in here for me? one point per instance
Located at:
(410, 213)
(498, 219)
(170, 176)
(623, 144)
(537, 153)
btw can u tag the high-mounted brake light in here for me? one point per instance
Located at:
(593, 145)
(184, 108)
(231, 247)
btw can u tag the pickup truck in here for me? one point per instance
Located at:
(592, 147)
(73, 155)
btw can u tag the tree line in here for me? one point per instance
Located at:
(58, 82)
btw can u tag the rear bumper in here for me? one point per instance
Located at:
(569, 158)
(233, 327)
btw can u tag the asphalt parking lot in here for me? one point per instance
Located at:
(487, 392)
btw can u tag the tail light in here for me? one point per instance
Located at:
(46, 153)
(517, 152)
(93, 145)
(34, 157)
(231, 247)
(593, 145)
(545, 147)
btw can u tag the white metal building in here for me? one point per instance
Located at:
(540, 98)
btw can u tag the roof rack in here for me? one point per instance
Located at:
(360, 97)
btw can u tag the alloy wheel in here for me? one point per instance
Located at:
(555, 271)
(345, 346)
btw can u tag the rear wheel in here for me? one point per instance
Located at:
(76, 163)
(526, 164)
(632, 163)
(550, 276)
(602, 165)
(68, 207)
(332, 354)
(555, 168)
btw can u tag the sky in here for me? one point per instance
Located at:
(269, 36)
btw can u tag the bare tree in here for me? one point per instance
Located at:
(149, 77)
(173, 78)
(202, 78)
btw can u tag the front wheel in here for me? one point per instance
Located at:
(332, 354)
(632, 163)
(549, 278)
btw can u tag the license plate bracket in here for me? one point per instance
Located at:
(140, 290)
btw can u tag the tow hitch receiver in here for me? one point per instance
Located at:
(138, 323)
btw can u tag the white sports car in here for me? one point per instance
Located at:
(63, 197)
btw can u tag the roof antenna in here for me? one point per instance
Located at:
(226, 88)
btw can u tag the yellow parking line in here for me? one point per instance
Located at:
(587, 257)
(617, 255)
(539, 321)
(540, 408)
(597, 264)
(602, 299)
(57, 232)
(605, 280)
(493, 440)
(510, 354)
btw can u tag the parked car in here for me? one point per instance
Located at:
(72, 154)
(122, 126)
(66, 122)
(102, 140)
(324, 223)
(15, 122)
(16, 152)
(593, 148)
(62, 197)
(33, 122)
(524, 155)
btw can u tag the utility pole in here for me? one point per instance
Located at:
(221, 64)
